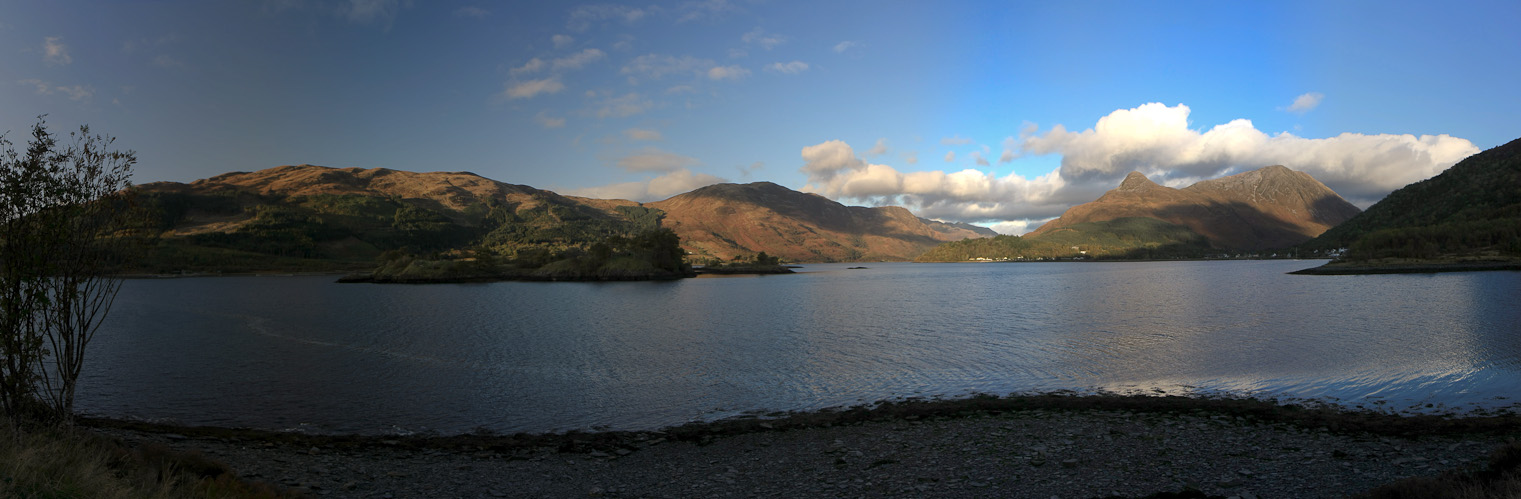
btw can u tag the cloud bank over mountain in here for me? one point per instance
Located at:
(1154, 139)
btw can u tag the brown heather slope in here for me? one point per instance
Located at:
(728, 220)
(1271, 207)
(449, 193)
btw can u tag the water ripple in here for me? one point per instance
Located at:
(304, 353)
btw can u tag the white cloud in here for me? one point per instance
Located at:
(532, 88)
(584, 16)
(826, 160)
(879, 148)
(43, 87)
(73, 92)
(651, 159)
(533, 65)
(661, 187)
(623, 106)
(77, 92)
(54, 52)
(955, 141)
(656, 66)
(950, 156)
(1010, 150)
(547, 121)
(977, 158)
(791, 68)
(1305, 103)
(520, 89)
(562, 41)
(765, 40)
(577, 60)
(969, 195)
(475, 12)
(727, 73)
(643, 134)
(840, 48)
(1017, 227)
(1155, 139)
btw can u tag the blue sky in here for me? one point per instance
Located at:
(999, 113)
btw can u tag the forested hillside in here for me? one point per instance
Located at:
(1473, 208)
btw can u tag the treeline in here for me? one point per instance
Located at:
(1123, 238)
(1498, 236)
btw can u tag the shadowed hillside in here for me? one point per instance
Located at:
(1470, 211)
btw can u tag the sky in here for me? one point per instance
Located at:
(998, 113)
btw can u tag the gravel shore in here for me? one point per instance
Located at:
(1025, 453)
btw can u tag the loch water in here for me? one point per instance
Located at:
(307, 354)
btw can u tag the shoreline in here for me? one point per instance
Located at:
(373, 279)
(272, 273)
(1308, 415)
(1128, 260)
(1020, 446)
(1410, 268)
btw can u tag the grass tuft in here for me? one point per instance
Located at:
(73, 463)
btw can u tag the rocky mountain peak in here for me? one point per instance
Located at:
(1270, 207)
(1136, 181)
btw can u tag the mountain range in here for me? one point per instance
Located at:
(314, 217)
(1267, 208)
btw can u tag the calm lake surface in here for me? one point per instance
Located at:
(305, 353)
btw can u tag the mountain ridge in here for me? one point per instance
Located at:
(354, 214)
(1266, 208)
(723, 221)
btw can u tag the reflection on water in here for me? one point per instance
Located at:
(302, 352)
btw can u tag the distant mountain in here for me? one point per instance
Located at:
(1472, 209)
(307, 217)
(1122, 238)
(1271, 207)
(314, 217)
(723, 221)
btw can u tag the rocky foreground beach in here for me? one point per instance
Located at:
(943, 452)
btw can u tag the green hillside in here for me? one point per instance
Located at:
(1121, 238)
(1472, 209)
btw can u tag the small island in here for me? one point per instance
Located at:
(761, 263)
